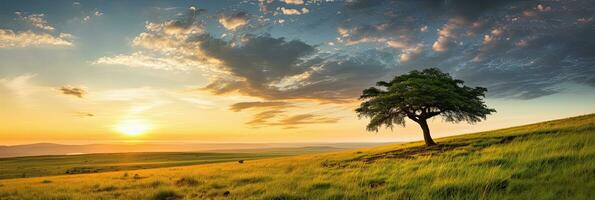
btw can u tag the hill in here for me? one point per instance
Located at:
(549, 160)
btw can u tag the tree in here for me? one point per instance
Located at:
(420, 95)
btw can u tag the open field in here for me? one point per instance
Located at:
(549, 160)
(78, 164)
(35, 166)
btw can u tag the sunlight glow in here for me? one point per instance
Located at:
(133, 127)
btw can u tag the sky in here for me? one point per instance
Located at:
(278, 71)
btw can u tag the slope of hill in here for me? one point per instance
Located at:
(549, 160)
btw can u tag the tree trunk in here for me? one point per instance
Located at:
(426, 130)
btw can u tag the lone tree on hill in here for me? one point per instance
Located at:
(420, 95)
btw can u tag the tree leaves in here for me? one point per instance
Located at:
(419, 95)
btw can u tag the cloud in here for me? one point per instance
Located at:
(36, 20)
(294, 2)
(363, 4)
(292, 11)
(584, 20)
(262, 117)
(516, 49)
(306, 119)
(20, 85)
(392, 37)
(139, 59)
(255, 65)
(74, 91)
(266, 104)
(95, 14)
(234, 21)
(272, 68)
(19, 39)
(12, 39)
(280, 118)
(362, 34)
(276, 113)
(447, 34)
(84, 114)
(260, 65)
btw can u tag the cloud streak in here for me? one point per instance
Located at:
(73, 91)
(258, 104)
(12, 39)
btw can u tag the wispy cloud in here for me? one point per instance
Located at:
(280, 118)
(36, 20)
(74, 91)
(18, 39)
(20, 85)
(139, 59)
(12, 39)
(258, 104)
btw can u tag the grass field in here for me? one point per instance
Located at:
(79, 164)
(35, 166)
(549, 160)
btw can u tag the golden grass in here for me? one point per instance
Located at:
(549, 160)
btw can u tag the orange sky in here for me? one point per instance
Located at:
(33, 112)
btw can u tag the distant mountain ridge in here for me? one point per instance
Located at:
(38, 149)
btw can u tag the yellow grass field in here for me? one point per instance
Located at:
(549, 160)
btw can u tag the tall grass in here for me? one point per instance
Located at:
(550, 160)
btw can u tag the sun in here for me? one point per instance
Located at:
(133, 127)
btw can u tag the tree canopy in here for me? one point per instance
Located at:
(420, 95)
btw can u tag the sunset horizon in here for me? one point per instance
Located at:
(87, 71)
(297, 99)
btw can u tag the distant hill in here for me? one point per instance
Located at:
(61, 149)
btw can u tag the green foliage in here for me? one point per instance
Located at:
(420, 95)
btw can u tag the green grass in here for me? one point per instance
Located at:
(549, 160)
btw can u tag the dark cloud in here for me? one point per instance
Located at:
(469, 9)
(273, 68)
(517, 49)
(258, 104)
(74, 91)
(363, 4)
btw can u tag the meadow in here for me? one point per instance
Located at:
(35, 166)
(548, 160)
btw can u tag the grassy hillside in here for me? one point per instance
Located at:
(550, 160)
